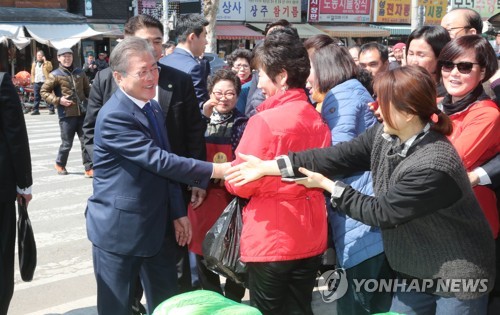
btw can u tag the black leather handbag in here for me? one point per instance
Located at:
(26, 243)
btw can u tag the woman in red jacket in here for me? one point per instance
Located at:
(466, 63)
(284, 224)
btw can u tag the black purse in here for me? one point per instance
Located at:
(26, 243)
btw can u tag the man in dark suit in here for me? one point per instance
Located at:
(176, 96)
(15, 180)
(136, 195)
(192, 38)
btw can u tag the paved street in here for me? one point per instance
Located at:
(64, 281)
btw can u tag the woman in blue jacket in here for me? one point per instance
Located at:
(343, 104)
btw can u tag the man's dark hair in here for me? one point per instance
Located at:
(189, 23)
(141, 21)
(279, 23)
(169, 44)
(383, 51)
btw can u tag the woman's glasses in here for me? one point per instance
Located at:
(228, 95)
(463, 67)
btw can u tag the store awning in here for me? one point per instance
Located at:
(60, 35)
(304, 30)
(353, 31)
(395, 30)
(108, 30)
(234, 32)
(15, 33)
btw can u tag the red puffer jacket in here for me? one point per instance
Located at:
(475, 136)
(283, 220)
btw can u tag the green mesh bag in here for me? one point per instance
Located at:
(203, 302)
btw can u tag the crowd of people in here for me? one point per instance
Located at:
(389, 157)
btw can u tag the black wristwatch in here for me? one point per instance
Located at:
(337, 191)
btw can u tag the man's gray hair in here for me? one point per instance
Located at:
(128, 47)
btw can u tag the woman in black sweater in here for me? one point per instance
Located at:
(435, 235)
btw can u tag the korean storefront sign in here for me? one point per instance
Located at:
(231, 10)
(272, 10)
(486, 8)
(339, 11)
(399, 11)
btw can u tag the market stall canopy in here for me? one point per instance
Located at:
(108, 30)
(353, 31)
(53, 27)
(235, 32)
(15, 33)
(60, 36)
(304, 30)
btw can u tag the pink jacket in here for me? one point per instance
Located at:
(283, 221)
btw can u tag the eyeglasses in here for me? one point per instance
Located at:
(463, 67)
(227, 95)
(143, 74)
(241, 66)
(456, 28)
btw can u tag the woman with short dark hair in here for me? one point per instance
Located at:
(284, 224)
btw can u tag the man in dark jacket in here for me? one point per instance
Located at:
(177, 98)
(68, 88)
(15, 175)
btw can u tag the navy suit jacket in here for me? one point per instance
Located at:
(183, 61)
(135, 191)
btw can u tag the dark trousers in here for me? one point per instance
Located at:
(38, 97)
(359, 303)
(116, 277)
(70, 126)
(7, 241)
(211, 281)
(283, 287)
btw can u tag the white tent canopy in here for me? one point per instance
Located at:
(14, 33)
(60, 35)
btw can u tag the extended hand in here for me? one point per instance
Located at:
(314, 180)
(245, 172)
(197, 196)
(183, 231)
(473, 178)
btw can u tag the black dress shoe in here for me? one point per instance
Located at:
(51, 112)
(35, 112)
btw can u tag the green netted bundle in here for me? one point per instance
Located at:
(203, 302)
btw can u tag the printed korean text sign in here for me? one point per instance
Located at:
(399, 11)
(339, 10)
(486, 8)
(231, 10)
(272, 10)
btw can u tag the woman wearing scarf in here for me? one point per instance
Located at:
(466, 63)
(225, 126)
